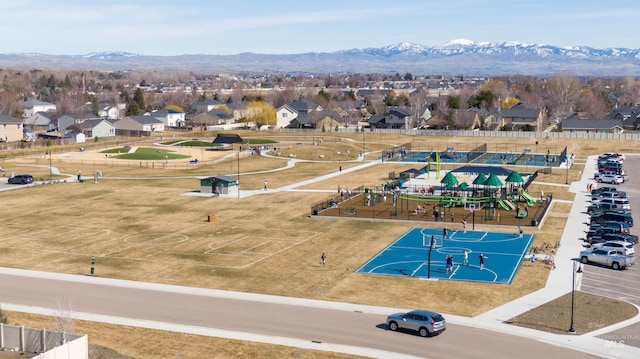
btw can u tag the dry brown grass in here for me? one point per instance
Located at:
(591, 312)
(120, 218)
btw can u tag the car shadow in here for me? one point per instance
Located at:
(384, 326)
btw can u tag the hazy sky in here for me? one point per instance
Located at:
(170, 27)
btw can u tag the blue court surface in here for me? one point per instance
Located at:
(408, 255)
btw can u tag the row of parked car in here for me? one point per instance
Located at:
(608, 238)
(610, 169)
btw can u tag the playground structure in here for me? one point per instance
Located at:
(432, 200)
(383, 202)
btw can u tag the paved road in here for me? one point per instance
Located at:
(321, 325)
(621, 285)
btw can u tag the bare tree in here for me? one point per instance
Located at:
(62, 322)
(563, 92)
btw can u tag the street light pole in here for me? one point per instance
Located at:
(566, 178)
(50, 168)
(431, 245)
(238, 180)
(572, 330)
(364, 148)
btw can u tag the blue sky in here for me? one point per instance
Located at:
(74, 27)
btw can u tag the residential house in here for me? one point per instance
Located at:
(206, 106)
(575, 124)
(515, 117)
(109, 112)
(374, 94)
(10, 129)
(97, 127)
(284, 115)
(66, 121)
(395, 117)
(40, 121)
(31, 106)
(298, 114)
(629, 115)
(170, 117)
(139, 124)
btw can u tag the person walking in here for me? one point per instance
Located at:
(323, 260)
(444, 233)
(533, 259)
(520, 231)
(464, 225)
(465, 261)
(265, 185)
(449, 264)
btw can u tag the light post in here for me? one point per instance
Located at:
(50, 168)
(566, 163)
(572, 330)
(431, 245)
(238, 180)
(364, 149)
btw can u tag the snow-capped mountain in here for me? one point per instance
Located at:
(459, 47)
(454, 57)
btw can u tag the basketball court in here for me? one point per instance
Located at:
(409, 255)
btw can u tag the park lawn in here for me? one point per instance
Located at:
(151, 154)
(151, 205)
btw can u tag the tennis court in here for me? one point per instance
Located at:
(409, 255)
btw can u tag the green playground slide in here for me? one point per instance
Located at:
(503, 205)
(530, 200)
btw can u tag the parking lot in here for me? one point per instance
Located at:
(623, 284)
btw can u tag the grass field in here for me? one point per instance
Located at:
(139, 225)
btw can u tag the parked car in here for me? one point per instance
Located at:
(610, 237)
(606, 207)
(608, 257)
(425, 322)
(597, 197)
(614, 170)
(612, 216)
(20, 179)
(623, 203)
(611, 179)
(603, 189)
(608, 227)
(625, 247)
(611, 155)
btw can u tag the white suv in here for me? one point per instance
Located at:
(625, 247)
(610, 178)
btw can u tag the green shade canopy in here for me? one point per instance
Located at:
(480, 180)
(514, 177)
(463, 186)
(493, 181)
(449, 180)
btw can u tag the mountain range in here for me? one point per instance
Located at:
(457, 57)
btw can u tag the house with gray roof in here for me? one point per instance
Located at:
(96, 127)
(516, 117)
(31, 106)
(575, 124)
(40, 121)
(139, 124)
(395, 117)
